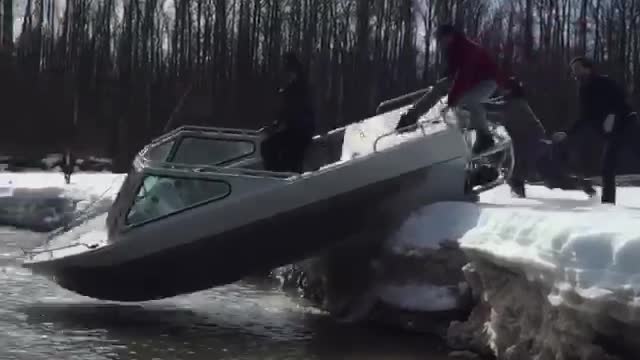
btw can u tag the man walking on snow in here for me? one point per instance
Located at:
(533, 152)
(603, 106)
(474, 77)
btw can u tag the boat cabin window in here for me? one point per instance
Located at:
(161, 151)
(160, 196)
(208, 151)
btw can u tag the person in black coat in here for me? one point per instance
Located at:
(604, 108)
(294, 128)
(534, 153)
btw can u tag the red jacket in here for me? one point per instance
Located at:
(469, 64)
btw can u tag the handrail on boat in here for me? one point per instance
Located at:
(400, 101)
(504, 144)
(193, 130)
(31, 253)
(420, 124)
(217, 130)
(203, 130)
(203, 168)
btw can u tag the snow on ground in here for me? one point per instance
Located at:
(43, 201)
(82, 185)
(554, 269)
(586, 251)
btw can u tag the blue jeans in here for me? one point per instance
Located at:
(473, 100)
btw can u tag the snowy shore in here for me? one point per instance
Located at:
(553, 275)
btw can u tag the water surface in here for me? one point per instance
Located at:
(243, 321)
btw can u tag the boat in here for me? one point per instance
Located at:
(197, 210)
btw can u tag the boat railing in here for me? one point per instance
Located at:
(400, 101)
(207, 130)
(418, 125)
(383, 106)
(191, 130)
(503, 145)
(253, 136)
(160, 166)
(30, 254)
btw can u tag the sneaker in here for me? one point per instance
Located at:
(590, 191)
(588, 188)
(517, 189)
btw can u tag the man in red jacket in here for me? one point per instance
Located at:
(475, 78)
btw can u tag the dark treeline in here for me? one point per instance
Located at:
(105, 76)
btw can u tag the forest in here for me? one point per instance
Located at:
(106, 76)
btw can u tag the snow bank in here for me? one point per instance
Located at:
(42, 201)
(422, 263)
(546, 277)
(552, 273)
(586, 252)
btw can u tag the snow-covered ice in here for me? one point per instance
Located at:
(43, 201)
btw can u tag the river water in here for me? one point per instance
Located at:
(39, 320)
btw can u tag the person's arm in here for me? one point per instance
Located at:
(424, 104)
(428, 100)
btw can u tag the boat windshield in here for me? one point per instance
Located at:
(160, 196)
(200, 150)
(211, 151)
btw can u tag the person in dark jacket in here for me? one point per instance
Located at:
(294, 128)
(475, 77)
(533, 151)
(604, 108)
